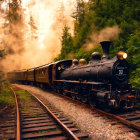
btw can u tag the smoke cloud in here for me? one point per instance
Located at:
(106, 34)
(39, 43)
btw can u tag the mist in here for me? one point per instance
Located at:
(106, 34)
(40, 40)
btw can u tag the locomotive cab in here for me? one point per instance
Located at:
(59, 67)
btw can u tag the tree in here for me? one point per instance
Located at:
(66, 43)
(33, 27)
(79, 14)
(14, 27)
(134, 58)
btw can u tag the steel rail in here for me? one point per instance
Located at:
(122, 120)
(18, 136)
(109, 115)
(69, 133)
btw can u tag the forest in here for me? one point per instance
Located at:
(91, 19)
(94, 16)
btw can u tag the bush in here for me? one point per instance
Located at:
(6, 95)
(134, 58)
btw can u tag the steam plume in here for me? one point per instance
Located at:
(106, 34)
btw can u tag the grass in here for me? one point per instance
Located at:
(48, 130)
(24, 97)
(6, 95)
(36, 115)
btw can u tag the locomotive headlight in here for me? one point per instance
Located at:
(121, 55)
(125, 55)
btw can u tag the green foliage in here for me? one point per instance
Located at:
(81, 54)
(6, 95)
(99, 14)
(79, 14)
(25, 98)
(134, 58)
(87, 55)
(66, 44)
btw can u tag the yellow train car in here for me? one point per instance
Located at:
(30, 75)
(43, 74)
(17, 76)
(11, 76)
(20, 75)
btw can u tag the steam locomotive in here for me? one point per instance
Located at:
(101, 81)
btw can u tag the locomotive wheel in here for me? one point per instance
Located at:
(60, 91)
(78, 97)
(84, 99)
(64, 93)
(73, 96)
(91, 101)
(41, 85)
(55, 89)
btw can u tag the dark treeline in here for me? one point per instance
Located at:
(96, 15)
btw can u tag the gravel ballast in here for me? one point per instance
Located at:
(97, 126)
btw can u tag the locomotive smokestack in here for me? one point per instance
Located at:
(105, 46)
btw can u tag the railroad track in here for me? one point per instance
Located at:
(8, 125)
(128, 120)
(129, 117)
(36, 120)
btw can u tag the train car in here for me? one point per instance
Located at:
(17, 76)
(11, 76)
(57, 68)
(21, 76)
(30, 75)
(43, 75)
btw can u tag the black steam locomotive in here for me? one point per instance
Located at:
(101, 81)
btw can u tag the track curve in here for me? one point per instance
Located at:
(39, 121)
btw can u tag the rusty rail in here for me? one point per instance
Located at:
(69, 133)
(18, 137)
(109, 115)
(122, 120)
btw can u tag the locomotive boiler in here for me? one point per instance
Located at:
(114, 71)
